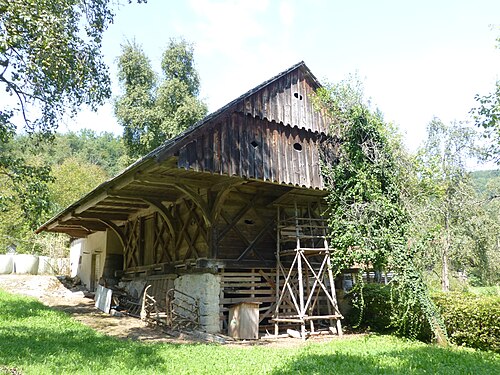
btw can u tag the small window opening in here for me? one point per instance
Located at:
(297, 146)
(249, 222)
(298, 96)
(254, 144)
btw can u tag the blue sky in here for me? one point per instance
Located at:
(418, 59)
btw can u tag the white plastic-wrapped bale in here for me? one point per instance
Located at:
(6, 264)
(26, 264)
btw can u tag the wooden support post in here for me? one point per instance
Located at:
(301, 296)
(278, 266)
(339, 328)
(332, 287)
(299, 267)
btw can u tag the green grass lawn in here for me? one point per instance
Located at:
(37, 340)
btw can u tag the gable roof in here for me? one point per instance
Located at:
(162, 152)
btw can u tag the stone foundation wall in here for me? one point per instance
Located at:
(206, 289)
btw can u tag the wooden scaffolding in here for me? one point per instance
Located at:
(305, 289)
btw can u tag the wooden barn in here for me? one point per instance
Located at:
(221, 226)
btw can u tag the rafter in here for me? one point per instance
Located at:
(139, 194)
(118, 216)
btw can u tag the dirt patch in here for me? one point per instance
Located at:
(71, 299)
(53, 293)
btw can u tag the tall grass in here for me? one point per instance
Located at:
(37, 340)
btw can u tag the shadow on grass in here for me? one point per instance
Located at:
(20, 309)
(62, 345)
(416, 360)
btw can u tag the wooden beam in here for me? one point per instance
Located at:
(233, 263)
(91, 203)
(228, 182)
(119, 233)
(268, 226)
(234, 221)
(128, 200)
(165, 214)
(198, 200)
(141, 194)
(87, 224)
(135, 205)
(221, 197)
(73, 232)
(183, 229)
(170, 180)
(124, 181)
(102, 215)
(199, 223)
(67, 217)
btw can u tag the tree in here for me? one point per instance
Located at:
(48, 62)
(50, 65)
(450, 197)
(366, 218)
(152, 110)
(487, 117)
(483, 230)
(72, 180)
(24, 199)
(77, 163)
(368, 221)
(102, 149)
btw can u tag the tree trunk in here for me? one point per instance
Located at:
(445, 279)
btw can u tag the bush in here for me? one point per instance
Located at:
(471, 320)
(375, 315)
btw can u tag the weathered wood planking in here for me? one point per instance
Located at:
(287, 100)
(249, 147)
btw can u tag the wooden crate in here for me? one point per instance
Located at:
(244, 321)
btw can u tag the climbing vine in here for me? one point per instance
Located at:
(367, 218)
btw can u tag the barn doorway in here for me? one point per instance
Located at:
(95, 271)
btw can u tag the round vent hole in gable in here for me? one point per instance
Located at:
(254, 144)
(297, 146)
(298, 96)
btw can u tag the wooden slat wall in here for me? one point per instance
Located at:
(247, 286)
(287, 100)
(248, 147)
(253, 285)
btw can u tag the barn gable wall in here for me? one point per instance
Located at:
(287, 100)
